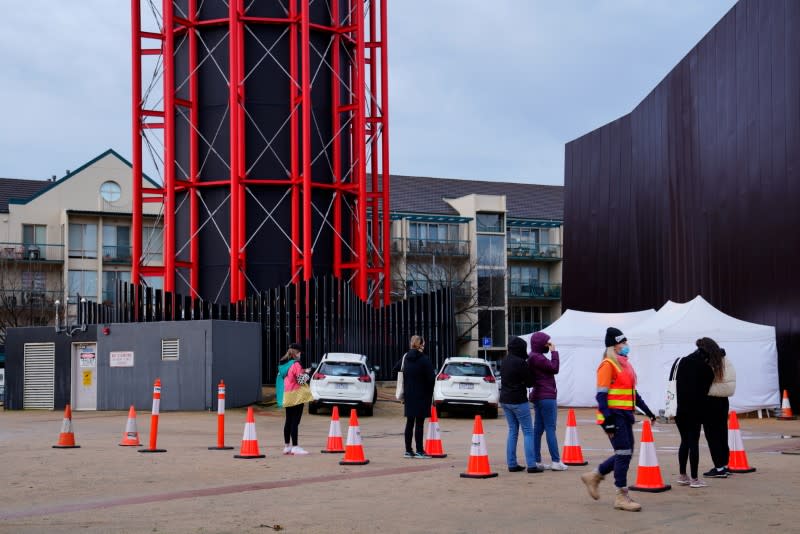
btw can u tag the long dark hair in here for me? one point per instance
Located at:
(714, 355)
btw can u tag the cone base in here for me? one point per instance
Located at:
(487, 475)
(784, 418)
(66, 446)
(333, 451)
(575, 463)
(437, 455)
(152, 450)
(130, 444)
(747, 470)
(353, 462)
(665, 487)
(249, 457)
(223, 448)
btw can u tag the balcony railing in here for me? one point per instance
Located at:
(25, 298)
(432, 247)
(116, 253)
(520, 328)
(534, 290)
(533, 251)
(31, 252)
(462, 289)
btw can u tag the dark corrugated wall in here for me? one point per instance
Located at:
(697, 191)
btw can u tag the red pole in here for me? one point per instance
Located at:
(294, 149)
(233, 105)
(169, 146)
(361, 154)
(385, 171)
(154, 418)
(305, 60)
(220, 419)
(194, 156)
(336, 124)
(242, 161)
(136, 120)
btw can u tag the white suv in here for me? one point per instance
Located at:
(344, 378)
(465, 382)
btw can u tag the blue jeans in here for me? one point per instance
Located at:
(546, 411)
(519, 415)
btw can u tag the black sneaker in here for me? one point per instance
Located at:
(516, 469)
(535, 469)
(422, 456)
(715, 472)
(408, 454)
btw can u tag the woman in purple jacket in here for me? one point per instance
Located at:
(543, 397)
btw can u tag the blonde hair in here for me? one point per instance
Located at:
(417, 342)
(611, 355)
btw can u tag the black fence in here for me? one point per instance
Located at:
(324, 315)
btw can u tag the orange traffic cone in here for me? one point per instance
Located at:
(786, 408)
(354, 452)
(335, 444)
(572, 453)
(737, 460)
(66, 439)
(130, 438)
(433, 441)
(478, 465)
(249, 448)
(648, 478)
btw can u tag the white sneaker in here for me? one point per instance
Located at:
(298, 451)
(540, 465)
(287, 449)
(558, 466)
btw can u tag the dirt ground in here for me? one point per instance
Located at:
(101, 487)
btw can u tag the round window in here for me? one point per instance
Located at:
(110, 191)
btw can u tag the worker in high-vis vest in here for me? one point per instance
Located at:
(616, 401)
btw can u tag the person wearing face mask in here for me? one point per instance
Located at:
(616, 401)
(543, 396)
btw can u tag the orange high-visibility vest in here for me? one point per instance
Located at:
(622, 393)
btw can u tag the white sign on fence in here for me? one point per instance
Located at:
(120, 359)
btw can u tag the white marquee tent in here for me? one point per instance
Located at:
(656, 339)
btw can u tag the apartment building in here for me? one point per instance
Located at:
(497, 244)
(68, 237)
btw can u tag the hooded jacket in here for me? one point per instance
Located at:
(514, 373)
(543, 369)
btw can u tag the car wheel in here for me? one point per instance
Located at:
(312, 408)
(491, 412)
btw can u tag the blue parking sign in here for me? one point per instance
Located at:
(486, 342)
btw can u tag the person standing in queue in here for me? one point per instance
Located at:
(513, 398)
(715, 418)
(418, 380)
(616, 400)
(294, 397)
(543, 372)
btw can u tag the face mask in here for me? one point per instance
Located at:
(624, 350)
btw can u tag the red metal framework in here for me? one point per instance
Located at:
(358, 147)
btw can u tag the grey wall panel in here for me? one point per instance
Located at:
(697, 190)
(237, 361)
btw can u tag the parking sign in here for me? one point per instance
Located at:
(486, 342)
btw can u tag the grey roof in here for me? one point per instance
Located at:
(418, 194)
(19, 189)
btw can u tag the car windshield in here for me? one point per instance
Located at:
(466, 369)
(342, 369)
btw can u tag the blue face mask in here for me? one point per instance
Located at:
(624, 350)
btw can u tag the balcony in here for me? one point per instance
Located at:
(533, 251)
(521, 328)
(11, 298)
(462, 289)
(436, 247)
(117, 254)
(31, 252)
(534, 290)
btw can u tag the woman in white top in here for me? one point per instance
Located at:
(715, 417)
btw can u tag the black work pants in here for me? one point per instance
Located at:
(715, 427)
(415, 424)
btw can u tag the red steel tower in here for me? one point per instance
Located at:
(266, 124)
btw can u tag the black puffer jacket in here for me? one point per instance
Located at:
(515, 374)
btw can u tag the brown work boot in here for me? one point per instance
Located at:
(592, 480)
(623, 501)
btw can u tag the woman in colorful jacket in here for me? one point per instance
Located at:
(616, 401)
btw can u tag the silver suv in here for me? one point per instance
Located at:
(344, 379)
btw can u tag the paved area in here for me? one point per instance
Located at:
(102, 487)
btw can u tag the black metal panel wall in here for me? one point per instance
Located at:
(697, 191)
(324, 315)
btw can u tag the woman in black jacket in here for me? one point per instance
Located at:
(514, 399)
(692, 380)
(418, 380)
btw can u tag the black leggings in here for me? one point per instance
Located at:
(293, 415)
(414, 424)
(715, 425)
(689, 429)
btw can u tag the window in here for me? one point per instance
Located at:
(492, 323)
(491, 287)
(489, 222)
(152, 245)
(526, 319)
(433, 231)
(110, 279)
(82, 240)
(491, 250)
(116, 243)
(110, 191)
(34, 239)
(83, 283)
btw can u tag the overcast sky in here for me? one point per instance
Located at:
(487, 90)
